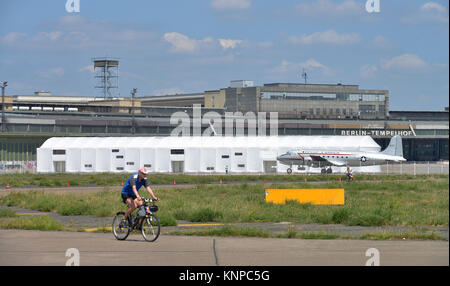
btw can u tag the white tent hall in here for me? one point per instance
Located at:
(213, 154)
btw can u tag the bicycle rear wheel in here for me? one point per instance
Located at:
(150, 228)
(120, 232)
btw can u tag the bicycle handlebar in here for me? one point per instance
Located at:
(149, 200)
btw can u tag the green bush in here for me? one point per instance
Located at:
(167, 220)
(205, 215)
(33, 222)
(7, 213)
(341, 215)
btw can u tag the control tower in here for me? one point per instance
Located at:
(106, 76)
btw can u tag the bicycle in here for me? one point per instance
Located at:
(149, 226)
(349, 177)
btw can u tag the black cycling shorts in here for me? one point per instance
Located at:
(126, 196)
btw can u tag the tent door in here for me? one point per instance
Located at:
(270, 166)
(177, 166)
(59, 166)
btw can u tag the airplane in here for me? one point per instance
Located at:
(324, 159)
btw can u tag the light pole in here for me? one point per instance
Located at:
(133, 92)
(3, 85)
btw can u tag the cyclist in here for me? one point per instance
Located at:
(349, 173)
(130, 195)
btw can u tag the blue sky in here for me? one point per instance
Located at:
(177, 46)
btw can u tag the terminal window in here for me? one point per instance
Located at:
(322, 96)
(367, 107)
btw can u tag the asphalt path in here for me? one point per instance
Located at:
(27, 247)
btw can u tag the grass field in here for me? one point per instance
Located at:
(385, 202)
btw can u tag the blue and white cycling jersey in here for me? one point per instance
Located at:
(134, 180)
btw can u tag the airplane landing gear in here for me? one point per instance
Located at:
(289, 171)
(326, 171)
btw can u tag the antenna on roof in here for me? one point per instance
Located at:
(304, 75)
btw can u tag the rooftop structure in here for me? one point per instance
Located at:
(107, 76)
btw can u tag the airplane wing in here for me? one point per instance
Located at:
(332, 162)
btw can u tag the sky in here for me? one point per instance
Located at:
(179, 46)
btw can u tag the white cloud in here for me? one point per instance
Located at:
(51, 73)
(433, 6)
(310, 64)
(368, 71)
(435, 12)
(327, 8)
(428, 12)
(89, 68)
(180, 42)
(167, 91)
(13, 37)
(77, 32)
(183, 44)
(229, 43)
(286, 66)
(405, 62)
(326, 37)
(231, 4)
(48, 36)
(381, 42)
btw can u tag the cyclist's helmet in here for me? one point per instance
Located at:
(143, 171)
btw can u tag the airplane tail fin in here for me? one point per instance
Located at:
(395, 147)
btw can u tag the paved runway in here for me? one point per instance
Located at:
(29, 247)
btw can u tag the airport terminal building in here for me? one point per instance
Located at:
(302, 109)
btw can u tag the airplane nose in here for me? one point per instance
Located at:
(281, 157)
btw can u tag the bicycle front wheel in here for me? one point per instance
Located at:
(150, 228)
(120, 232)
